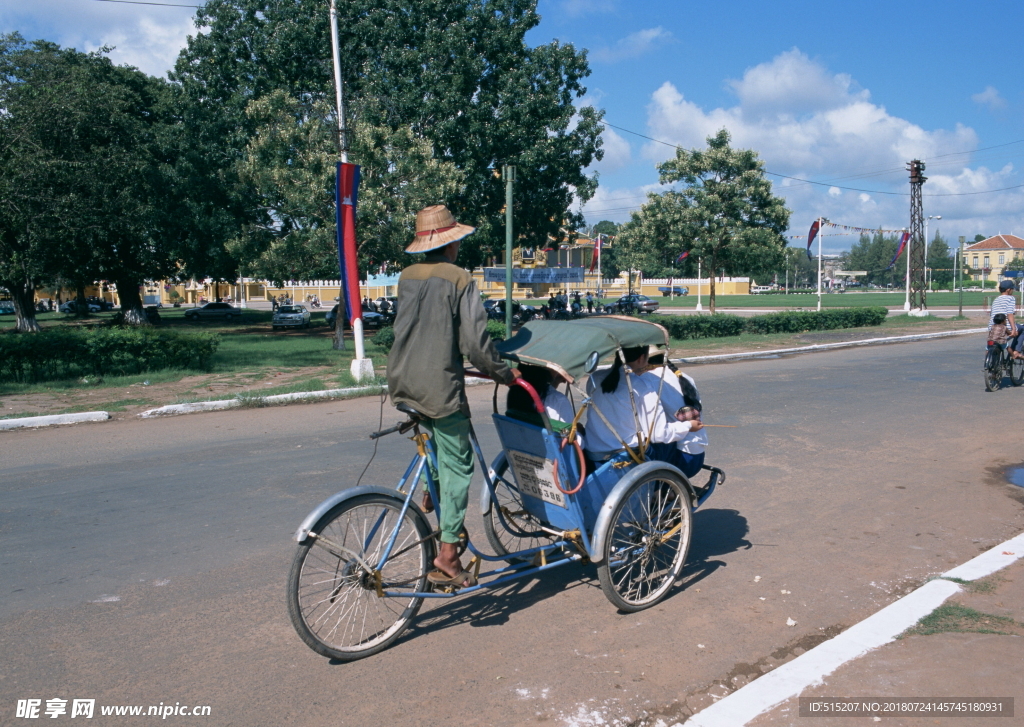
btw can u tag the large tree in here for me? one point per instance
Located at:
(940, 260)
(723, 212)
(89, 153)
(456, 75)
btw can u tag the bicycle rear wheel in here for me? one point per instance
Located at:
(1017, 371)
(993, 370)
(333, 586)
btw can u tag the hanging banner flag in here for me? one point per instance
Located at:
(597, 254)
(682, 257)
(810, 236)
(899, 250)
(346, 193)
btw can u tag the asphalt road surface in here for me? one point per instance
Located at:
(144, 562)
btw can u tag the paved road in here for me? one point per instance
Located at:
(144, 561)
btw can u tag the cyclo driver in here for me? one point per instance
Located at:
(441, 319)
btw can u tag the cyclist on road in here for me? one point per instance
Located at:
(1006, 304)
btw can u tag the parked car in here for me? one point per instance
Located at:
(636, 303)
(213, 310)
(392, 304)
(371, 319)
(6, 307)
(103, 304)
(71, 306)
(666, 291)
(290, 316)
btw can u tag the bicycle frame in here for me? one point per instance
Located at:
(423, 465)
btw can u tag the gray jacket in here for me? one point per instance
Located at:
(440, 320)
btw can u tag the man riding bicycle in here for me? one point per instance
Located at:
(1006, 304)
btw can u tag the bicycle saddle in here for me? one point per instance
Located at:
(406, 409)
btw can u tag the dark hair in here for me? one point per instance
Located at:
(1006, 285)
(611, 381)
(999, 318)
(536, 376)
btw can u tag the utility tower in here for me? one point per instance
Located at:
(918, 244)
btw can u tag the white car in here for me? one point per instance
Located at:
(72, 306)
(290, 316)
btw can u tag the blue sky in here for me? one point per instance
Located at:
(821, 90)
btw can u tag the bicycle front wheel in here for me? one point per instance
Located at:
(523, 531)
(336, 577)
(993, 371)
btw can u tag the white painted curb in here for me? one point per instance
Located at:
(827, 346)
(197, 406)
(808, 669)
(52, 419)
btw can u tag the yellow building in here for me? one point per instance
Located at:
(988, 258)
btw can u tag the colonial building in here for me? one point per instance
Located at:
(987, 258)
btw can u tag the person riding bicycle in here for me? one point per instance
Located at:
(1006, 304)
(442, 319)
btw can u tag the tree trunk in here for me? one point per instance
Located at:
(339, 327)
(81, 304)
(24, 307)
(711, 296)
(132, 312)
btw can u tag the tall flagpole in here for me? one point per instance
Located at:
(820, 235)
(361, 366)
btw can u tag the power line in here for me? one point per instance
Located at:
(855, 189)
(140, 2)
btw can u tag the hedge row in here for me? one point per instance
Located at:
(800, 321)
(64, 353)
(723, 324)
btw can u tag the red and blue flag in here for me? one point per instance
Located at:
(810, 236)
(346, 195)
(904, 238)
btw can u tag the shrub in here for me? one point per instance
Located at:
(688, 327)
(496, 330)
(62, 353)
(385, 338)
(801, 321)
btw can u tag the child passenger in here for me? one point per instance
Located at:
(999, 332)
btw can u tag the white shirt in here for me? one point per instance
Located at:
(618, 410)
(1003, 304)
(559, 408)
(672, 400)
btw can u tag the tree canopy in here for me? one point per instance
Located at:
(723, 213)
(456, 79)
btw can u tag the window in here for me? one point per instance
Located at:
(1002, 258)
(975, 262)
(987, 263)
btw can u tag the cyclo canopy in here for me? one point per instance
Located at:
(575, 348)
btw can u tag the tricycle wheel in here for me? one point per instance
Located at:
(645, 547)
(524, 531)
(333, 586)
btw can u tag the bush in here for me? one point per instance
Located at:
(496, 330)
(801, 321)
(385, 338)
(688, 327)
(63, 353)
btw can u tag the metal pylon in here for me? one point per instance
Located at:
(918, 244)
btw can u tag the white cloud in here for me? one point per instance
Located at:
(617, 152)
(990, 97)
(633, 45)
(616, 204)
(807, 122)
(147, 37)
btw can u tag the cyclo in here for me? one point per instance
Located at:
(360, 574)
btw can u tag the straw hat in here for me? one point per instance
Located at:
(436, 227)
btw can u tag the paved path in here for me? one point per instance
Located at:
(145, 561)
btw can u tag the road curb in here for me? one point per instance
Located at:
(54, 419)
(826, 346)
(810, 668)
(200, 406)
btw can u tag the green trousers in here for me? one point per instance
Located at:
(455, 462)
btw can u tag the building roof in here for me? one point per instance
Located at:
(998, 242)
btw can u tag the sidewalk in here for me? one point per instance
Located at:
(970, 647)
